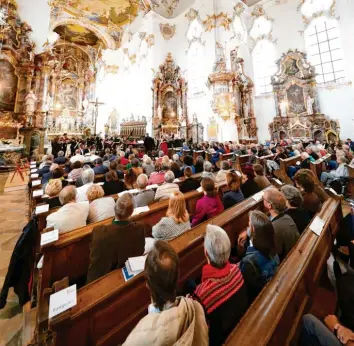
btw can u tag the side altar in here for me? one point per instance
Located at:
(298, 114)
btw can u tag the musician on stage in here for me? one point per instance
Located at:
(149, 143)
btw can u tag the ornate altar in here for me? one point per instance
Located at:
(297, 108)
(133, 128)
(246, 121)
(170, 101)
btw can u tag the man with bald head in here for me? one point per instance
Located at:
(144, 197)
(286, 232)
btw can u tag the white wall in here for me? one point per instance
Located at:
(287, 30)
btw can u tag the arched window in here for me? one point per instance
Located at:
(195, 57)
(264, 57)
(324, 49)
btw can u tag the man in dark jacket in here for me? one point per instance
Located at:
(112, 245)
(99, 167)
(61, 159)
(190, 184)
(149, 143)
(286, 232)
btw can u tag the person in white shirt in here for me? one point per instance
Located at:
(87, 177)
(101, 207)
(144, 197)
(72, 215)
(77, 157)
(164, 191)
(340, 172)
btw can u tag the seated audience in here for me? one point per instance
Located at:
(100, 168)
(47, 176)
(130, 179)
(45, 167)
(310, 150)
(188, 162)
(208, 170)
(306, 184)
(76, 171)
(222, 291)
(170, 320)
(112, 245)
(101, 207)
(249, 187)
(113, 166)
(294, 201)
(176, 221)
(286, 232)
(176, 170)
(135, 167)
(61, 159)
(87, 177)
(122, 160)
(199, 165)
(221, 175)
(147, 165)
(234, 195)
(112, 184)
(77, 157)
(261, 180)
(144, 197)
(318, 190)
(158, 177)
(261, 261)
(53, 189)
(164, 191)
(176, 159)
(209, 205)
(71, 215)
(341, 172)
(189, 184)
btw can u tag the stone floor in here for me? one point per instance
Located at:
(14, 216)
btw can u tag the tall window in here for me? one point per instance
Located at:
(264, 57)
(324, 50)
(195, 59)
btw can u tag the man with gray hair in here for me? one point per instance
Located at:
(44, 168)
(176, 158)
(207, 166)
(47, 176)
(222, 291)
(144, 197)
(88, 177)
(294, 209)
(77, 157)
(61, 159)
(71, 215)
(164, 191)
(113, 244)
(286, 232)
(221, 175)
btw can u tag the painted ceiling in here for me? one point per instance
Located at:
(170, 8)
(77, 34)
(104, 12)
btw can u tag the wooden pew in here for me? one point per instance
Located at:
(241, 160)
(197, 153)
(319, 166)
(261, 160)
(282, 172)
(351, 180)
(275, 316)
(108, 309)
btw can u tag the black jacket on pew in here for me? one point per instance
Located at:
(21, 265)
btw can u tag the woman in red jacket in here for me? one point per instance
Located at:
(164, 147)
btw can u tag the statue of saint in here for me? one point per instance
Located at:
(30, 103)
(159, 112)
(310, 101)
(283, 111)
(246, 108)
(85, 104)
(180, 112)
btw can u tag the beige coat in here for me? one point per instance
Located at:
(182, 325)
(163, 192)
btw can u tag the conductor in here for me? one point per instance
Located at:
(149, 143)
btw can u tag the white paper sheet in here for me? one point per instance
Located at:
(137, 264)
(36, 183)
(62, 301)
(49, 237)
(37, 193)
(140, 210)
(278, 181)
(34, 170)
(42, 209)
(176, 180)
(34, 175)
(100, 184)
(258, 196)
(152, 187)
(200, 189)
(133, 191)
(317, 225)
(333, 191)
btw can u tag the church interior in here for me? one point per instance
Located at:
(176, 172)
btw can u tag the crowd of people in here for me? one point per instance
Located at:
(228, 284)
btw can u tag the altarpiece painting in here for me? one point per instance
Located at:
(297, 108)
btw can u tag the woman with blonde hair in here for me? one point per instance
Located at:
(52, 189)
(234, 195)
(176, 221)
(100, 208)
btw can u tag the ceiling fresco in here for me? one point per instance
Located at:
(77, 34)
(104, 12)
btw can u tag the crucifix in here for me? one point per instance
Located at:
(95, 111)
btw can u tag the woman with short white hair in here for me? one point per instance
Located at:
(88, 177)
(222, 291)
(147, 165)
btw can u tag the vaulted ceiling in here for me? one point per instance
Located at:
(170, 8)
